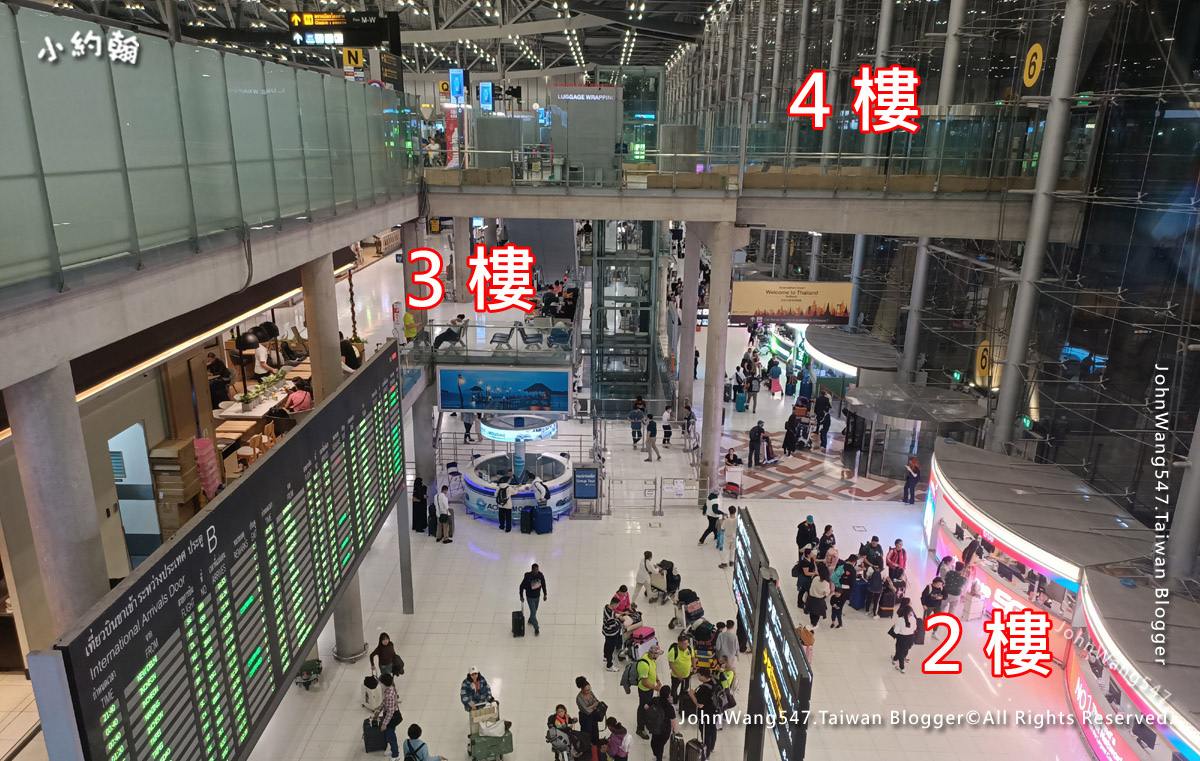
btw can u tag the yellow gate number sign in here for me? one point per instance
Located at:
(444, 88)
(983, 364)
(1033, 65)
(352, 57)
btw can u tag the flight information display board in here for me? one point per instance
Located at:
(786, 680)
(749, 558)
(188, 657)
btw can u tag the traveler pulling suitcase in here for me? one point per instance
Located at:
(526, 520)
(518, 623)
(741, 401)
(373, 739)
(543, 520)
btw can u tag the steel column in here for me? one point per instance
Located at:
(883, 40)
(831, 84)
(1058, 113)
(860, 255)
(758, 60)
(916, 301)
(950, 54)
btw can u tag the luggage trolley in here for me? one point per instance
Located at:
(664, 584)
(733, 481)
(688, 610)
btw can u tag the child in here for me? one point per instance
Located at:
(619, 740)
(836, 602)
(727, 528)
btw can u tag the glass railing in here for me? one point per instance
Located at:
(120, 155)
(502, 339)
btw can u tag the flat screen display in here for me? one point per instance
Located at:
(188, 657)
(492, 389)
(749, 558)
(786, 679)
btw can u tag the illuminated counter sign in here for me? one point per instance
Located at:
(548, 431)
(188, 658)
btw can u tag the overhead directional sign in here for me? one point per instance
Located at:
(336, 29)
(318, 19)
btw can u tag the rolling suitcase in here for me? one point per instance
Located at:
(858, 595)
(677, 748)
(887, 603)
(527, 520)
(518, 623)
(432, 520)
(729, 392)
(693, 751)
(741, 402)
(919, 635)
(372, 695)
(543, 520)
(373, 739)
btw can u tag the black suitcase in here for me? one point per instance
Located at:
(677, 748)
(729, 392)
(518, 623)
(373, 739)
(432, 519)
(919, 635)
(527, 520)
(694, 751)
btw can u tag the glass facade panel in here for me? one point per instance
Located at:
(340, 151)
(283, 109)
(84, 171)
(26, 248)
(152, 136)
(359, 145)
(251, 140)
(314, 128)
(200, 77)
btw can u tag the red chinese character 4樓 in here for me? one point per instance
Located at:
(1019, 643)
(887, 100)
(502, 278)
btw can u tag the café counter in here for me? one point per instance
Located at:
(1030, 530)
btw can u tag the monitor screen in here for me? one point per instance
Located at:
(1005, 571)
(1145, 735)
(958, 533)
(1114, 694)
(988, 547)
(1097, 667)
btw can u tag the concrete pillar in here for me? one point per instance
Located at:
(883, 40)
(916, 302)
(462, 250)
(813, 254)
(320, 312)
(856, 268)
(950, 53)
(798, 71)
(833, 128)
(1024, 312)
(720, 244)
(411, 236)
(52, 461)
(422, 436)
(687, 311)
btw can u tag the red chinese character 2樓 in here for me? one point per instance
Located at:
(1019, 643)
(887, 100)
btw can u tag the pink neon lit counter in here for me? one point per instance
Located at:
(1048, 541)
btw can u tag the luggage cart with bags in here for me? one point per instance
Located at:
(665, 583)
(733, 481)
(688, 609)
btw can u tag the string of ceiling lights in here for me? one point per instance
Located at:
(627, 46)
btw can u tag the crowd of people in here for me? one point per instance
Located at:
(873, 580)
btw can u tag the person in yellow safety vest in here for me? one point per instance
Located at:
(680, 657)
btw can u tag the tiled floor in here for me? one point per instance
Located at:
(17, 710)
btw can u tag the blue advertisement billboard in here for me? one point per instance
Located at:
(587, 483)
(456, 85)
(489, 389)
(485, 96)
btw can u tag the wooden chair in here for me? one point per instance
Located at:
(268, 435)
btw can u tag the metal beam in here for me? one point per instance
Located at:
(529, 28)
(495, 76)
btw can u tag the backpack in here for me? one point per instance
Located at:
(720, 697)
(656, 721)
(629, 677)
(502, 495)
(754, 385)
(410, 752)
(837, 574)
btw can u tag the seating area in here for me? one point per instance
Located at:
(543, 337)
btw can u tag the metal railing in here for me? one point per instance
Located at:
(654, 494)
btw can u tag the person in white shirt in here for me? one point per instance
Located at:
(666, 426)
(905, 630)
(442, 505)
(645, 569)
(262, 366)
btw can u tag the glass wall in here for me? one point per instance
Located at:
(121, 151)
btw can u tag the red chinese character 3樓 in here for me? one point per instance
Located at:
(1019, 643)
(887, 100)
(502, 279)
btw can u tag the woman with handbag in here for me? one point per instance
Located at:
(904, 630)
(592, 711)
(808, 572)
(818, 593)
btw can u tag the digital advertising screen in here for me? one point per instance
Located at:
(187, 658)
(492, 389)
(747, 573)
